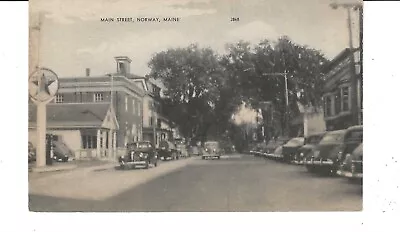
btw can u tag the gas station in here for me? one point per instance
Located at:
(43, 86)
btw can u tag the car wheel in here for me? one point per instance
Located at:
(147, 165)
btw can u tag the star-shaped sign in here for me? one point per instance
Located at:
(44, 85)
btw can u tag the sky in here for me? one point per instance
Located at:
(73, 38)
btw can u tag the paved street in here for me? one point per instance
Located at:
(234, 183)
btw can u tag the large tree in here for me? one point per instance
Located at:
(192, 77)
(252, 67)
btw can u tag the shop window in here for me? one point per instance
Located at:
(345, 99)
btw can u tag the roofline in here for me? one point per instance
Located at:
(337, 59)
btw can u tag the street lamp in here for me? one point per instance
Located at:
(354, 99)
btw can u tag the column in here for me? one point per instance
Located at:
(110, 149)
(41, 135)
(98, 149)
(114, 144)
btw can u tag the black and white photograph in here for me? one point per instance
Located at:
(195, 106)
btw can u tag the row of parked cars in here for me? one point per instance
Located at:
(338, 152)
(145, 154)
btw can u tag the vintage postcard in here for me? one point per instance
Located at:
(195, 105)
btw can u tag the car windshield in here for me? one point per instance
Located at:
(313, 139)
(211, 144)
(334, 137)
(356, 135)
(140, 145)
(295, 142)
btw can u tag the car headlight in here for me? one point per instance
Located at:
(141, 155)
(301, 154)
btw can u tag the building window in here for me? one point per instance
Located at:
(345, 98)
(338, 103)
(158, 123)
(138, 109)
(98, 97)
(151, 121)
(59, 98)
(126, 103)
(328, 106)
(133, 106)
(89, 141)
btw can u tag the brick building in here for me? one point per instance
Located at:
(340, 105)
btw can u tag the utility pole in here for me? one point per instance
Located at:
(354, 79)
(284, 74)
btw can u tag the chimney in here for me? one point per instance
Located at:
(87, 72)
(123, 65)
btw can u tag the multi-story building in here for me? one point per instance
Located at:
(156, 127)
(89, 98)
(343, 106)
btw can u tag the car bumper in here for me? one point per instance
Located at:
(142, 162)
(350, 174)
(211, 155)
(298, 162)
(319, 163)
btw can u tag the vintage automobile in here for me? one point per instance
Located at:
(194, 151)
(278, 153)
(140, 153)
(61, 153)
(168, 151)
(273, 144)
(328, 155)
(309, 144)
(182, 150)
(211, 150)
(290, 149)
(352, 166)
(31, 153)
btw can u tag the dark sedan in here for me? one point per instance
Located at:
(139, 154)
(290, 149)
(273, 144)
(352, 166)
(329, 153)
(310, 142)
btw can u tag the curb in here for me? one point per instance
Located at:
(53, 168)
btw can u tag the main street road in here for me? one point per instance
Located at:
(234, 183)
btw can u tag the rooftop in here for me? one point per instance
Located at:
(72, 115)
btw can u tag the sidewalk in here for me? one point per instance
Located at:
(71, 165)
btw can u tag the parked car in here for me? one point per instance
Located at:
(31, 153)
(290, 149)
(309, 144)
(61, 153)
(273, 144)
(182, 150)
(328, 155)
(352, 166)
(168, 150)
(211, 150)
(278, 153)
(139, 154)
(194, 150)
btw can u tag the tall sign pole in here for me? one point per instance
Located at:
(43, 86)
